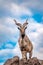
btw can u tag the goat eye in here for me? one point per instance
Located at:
(18, 28)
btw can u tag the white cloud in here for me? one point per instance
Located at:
(8, 30)
(1, 63)
(41, 50)
(15, 9)
(19, 10)
(33, 4)
(17, 51)
(38, 55)
(6, 53)
(34, 30)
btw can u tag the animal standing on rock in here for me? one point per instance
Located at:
(24, 42)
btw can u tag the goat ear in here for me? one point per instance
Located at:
(25, 27)
(25, 23)
(18, 24)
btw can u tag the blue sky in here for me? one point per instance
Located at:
(9, 34)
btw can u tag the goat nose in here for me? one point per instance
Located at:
(23, 35)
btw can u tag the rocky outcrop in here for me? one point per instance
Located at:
(16, 61)
(12, 61)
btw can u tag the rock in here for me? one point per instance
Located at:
(8, 62)
(13, 61)
(41, 62)
(16, 61)
(34, 61)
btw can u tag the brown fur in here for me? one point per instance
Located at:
(24, 42)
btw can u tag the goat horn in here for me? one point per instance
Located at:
(25, 23)
(17, 23)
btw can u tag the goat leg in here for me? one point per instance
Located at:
(24, 55)
(30, 55)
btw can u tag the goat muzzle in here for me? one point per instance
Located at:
(23, 35)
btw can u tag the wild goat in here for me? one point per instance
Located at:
(24, 42)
